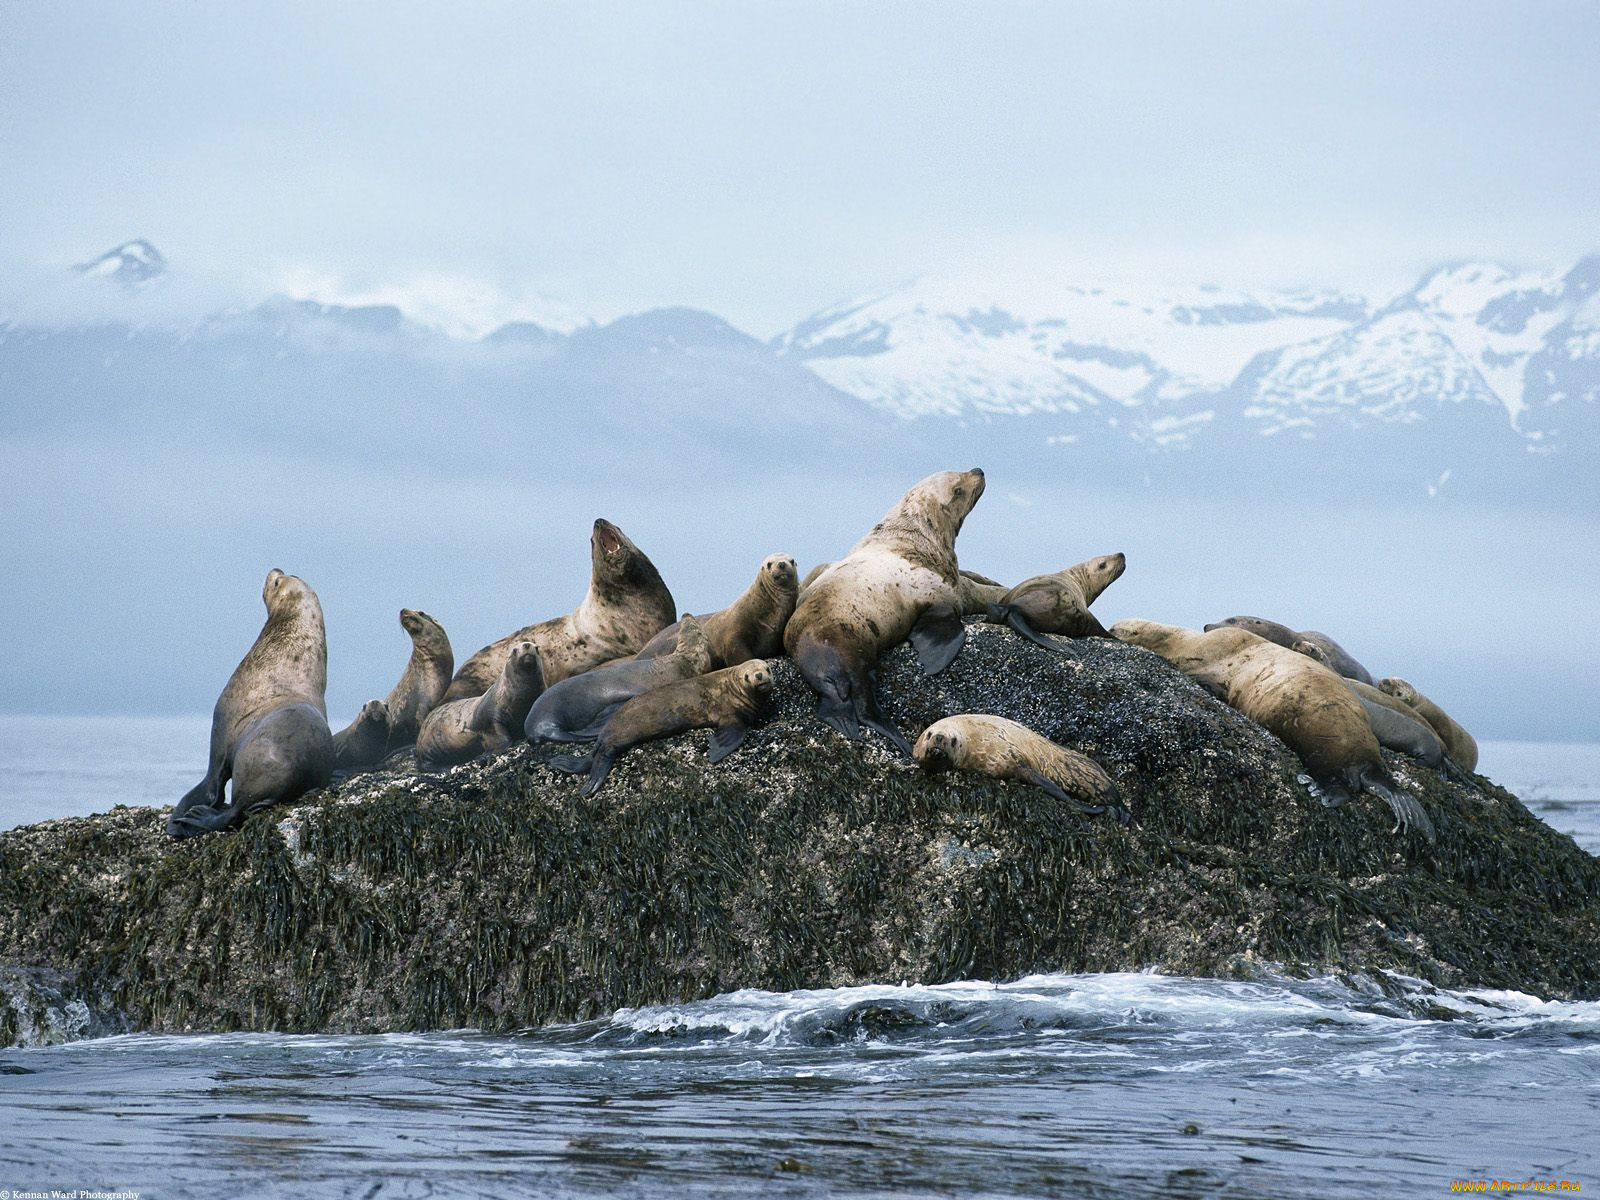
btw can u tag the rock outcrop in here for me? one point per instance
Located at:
(492, 896)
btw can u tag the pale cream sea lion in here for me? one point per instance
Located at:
(1006, 750)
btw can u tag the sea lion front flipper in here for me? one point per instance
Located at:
(725, 740)
(570, 764)
(1052, 789)
(937, 637)
(1011, 615)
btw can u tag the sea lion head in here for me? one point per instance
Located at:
(1399, 689)
(524, 662)
(756, 675)
(938, 749)
(780, 573)
(1313, 651)
(938, 504)
(619, 566)
(1152, 635)
(693, 645)
(425, 631)
(282, 592)
(1100, 573)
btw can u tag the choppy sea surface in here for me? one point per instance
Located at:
(1086, 1085)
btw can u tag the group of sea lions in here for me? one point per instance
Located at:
(620, 670)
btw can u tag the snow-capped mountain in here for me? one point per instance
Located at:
(1164, 364)
(133, 265)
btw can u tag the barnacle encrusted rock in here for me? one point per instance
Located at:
(493, 896)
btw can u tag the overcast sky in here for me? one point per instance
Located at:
(763, 160)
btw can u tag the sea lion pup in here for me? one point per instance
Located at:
(1458, 743)
(978, 592)
(459, 730)
(750, 627)
(1059, 603)
(365, 740)
(578, 707)
(725, 701)
(1338, 658)
(1296, 698)
(898, 582)
(269, 730)
(625, 607)
(1007, 750)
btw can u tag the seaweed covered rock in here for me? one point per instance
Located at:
(494, 896)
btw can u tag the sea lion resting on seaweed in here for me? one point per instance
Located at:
(393, 723)
(995, 746)
(269, 729)
(898, 582)
(752, 626)
(1292, 696)
(577, 708)
(627, 604)
(459, 730)
(725, 701)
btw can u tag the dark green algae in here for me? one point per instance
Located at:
(494, 897)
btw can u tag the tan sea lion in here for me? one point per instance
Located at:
(576, 709)
(898, 582)
(1394, 725)
(725, 701)
(1338, 658)
(752, 626)
(627, 604)
(1007, 750)
(1458, 743)
(401, 713)
(1059, 603)
(269, 729)
(1292, 696)
(459, 730)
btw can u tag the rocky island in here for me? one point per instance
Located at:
(492, 896)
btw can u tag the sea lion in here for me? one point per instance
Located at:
(626, 605)
(1292, 696)
(365, 740)
(1338, 658)
(978, 592)
(402, 711)
(1059, 603)
(1394, 725)
(1460, 745)
(750, 627)
(725, 701)
(898, 582)
(269, 729)
(1007, 750)
(459, 730)
(576, 709)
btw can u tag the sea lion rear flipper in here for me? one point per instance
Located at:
(599, 768)
(1052, 789)
(1012, 616)
(937, 637)
(1407, 812)
(571, 764)
(725, 741)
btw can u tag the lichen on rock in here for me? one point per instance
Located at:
(493, 896)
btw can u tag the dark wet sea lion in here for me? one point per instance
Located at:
(1338, 658)
(995, 746)
(576, 709)
(1059, 603)
(401, 713)
(752, 626)
(725, 701)
(897, 583)
(627, 604)
(269, 730)
(459, 730)
(1294, 697)
(1460, 745)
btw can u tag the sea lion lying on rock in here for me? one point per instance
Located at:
(752, 626)
(269, 729)
(1059, 603)
(576, 709)
(398, 717)
(1007, 750)
(897, 583)
(459, 730)
(725, 701)
(1458, 743)
(1338, 658)
(1296, 698)
(626, 605)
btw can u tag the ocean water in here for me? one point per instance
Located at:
(1088, 1085)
